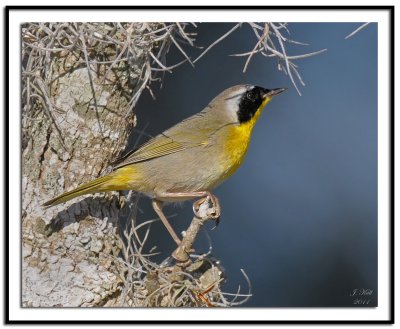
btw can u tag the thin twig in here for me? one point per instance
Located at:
(91, 81)
(261, 40)
(357, 30)
(217, 41)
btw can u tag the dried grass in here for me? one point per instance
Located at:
(148, 284)
(272, 39)
(134, 52)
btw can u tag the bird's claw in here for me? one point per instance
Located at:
(208, 207)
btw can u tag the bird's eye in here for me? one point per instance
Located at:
(251, 96)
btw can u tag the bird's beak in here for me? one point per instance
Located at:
(272, 92)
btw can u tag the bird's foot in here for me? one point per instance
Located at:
(208, 208)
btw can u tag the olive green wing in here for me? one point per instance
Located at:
(189, 133)
(158, 146)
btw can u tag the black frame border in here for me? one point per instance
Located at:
(7, 10)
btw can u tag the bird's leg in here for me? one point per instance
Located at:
(157, 206)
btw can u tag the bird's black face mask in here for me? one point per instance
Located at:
(250, 103)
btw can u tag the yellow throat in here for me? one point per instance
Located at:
(239, 139)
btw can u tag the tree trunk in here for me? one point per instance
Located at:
(80, 84)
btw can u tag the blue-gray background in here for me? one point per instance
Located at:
(300, 215)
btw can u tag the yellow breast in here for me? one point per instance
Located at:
(237, 143)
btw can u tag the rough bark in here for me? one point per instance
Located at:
(75, 121)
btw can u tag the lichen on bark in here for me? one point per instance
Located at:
(80, 82)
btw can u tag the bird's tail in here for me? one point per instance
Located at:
(116, 181)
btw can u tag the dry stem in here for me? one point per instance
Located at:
(180, 281)
(205, 210)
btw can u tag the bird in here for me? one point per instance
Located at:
(190, 159)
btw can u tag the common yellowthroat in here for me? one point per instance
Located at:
(190, 159)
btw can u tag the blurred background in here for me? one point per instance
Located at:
(300, 215)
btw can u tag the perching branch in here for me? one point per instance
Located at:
(185, 279)
(205, 209)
